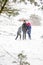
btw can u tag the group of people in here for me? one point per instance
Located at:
(25, 28)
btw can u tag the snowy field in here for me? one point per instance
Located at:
(9, 47)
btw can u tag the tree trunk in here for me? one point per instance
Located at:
(3, 6)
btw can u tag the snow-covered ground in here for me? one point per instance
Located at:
(9, 47)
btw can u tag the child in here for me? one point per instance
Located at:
(29, 29)
(18, 32)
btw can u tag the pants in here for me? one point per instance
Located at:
(18, 36)
(29, 34)
(29, 31)
(24, 35)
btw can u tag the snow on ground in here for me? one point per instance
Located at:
(9, 47)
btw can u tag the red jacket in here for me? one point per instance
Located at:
(28, 24)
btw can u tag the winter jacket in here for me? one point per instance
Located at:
(19, 30)
(28, 24)
(28, 27)
(24, 27)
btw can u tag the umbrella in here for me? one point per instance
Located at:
(22, 19)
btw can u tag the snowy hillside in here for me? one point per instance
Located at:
(10, 48)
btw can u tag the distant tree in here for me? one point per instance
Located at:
(42, 7)
(5, 7)
(32, 1)
(22, 0)
(35, 19)
(14, 1)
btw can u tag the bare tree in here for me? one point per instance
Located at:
(5, 1)
(6, 8)
(22, 59)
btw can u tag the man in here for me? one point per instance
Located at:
(29, 29)
(24, 29)
(18, 33)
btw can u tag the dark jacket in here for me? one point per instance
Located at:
(24, 27)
